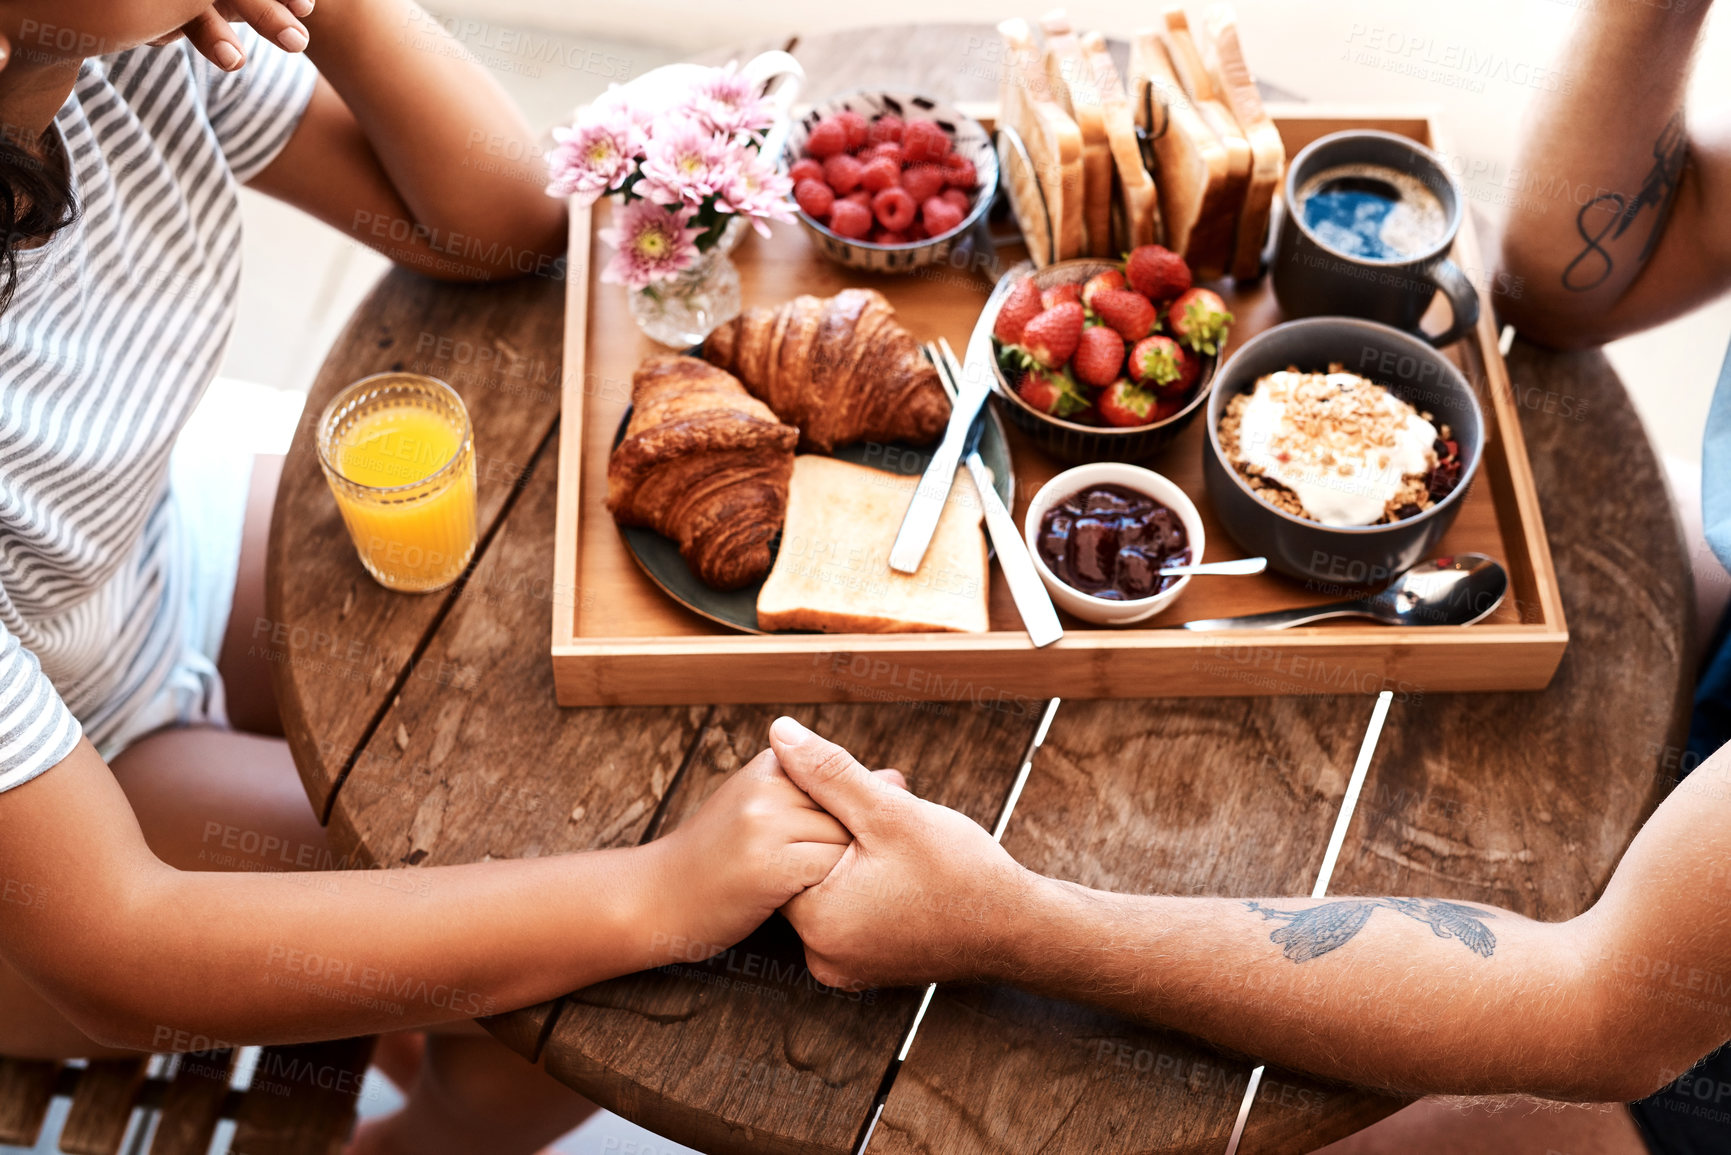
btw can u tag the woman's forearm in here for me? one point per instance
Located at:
(264, 957)
(453, 143)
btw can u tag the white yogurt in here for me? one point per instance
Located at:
(1341, 480)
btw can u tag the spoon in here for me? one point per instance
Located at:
(1244, 565)
(1445, 591)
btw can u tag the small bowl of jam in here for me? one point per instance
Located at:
(1101, 533)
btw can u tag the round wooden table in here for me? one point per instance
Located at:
(426, 733)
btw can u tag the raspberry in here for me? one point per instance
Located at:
(843, 173)
(856, 127)
(861, 197)
(850, 219)
(961, 175)
(880, 174)
(894, 209)
(805, 168)
(887, 237)
(815, 198)
(887, 127)
(828, 137)
(887, 148)
(923, 140)
(923, 181)
(940, 216)
(958, 198)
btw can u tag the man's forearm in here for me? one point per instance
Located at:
(1600, 171)
(1409, 995)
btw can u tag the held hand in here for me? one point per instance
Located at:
(275, 20)
(923, 894)
(754, 844)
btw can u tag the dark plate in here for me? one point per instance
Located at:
(737, 609)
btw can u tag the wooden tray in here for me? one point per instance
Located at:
(618, 640)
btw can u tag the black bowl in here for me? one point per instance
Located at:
(1410, 369)
(1081, 444)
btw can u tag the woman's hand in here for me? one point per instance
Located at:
(276, 20)
(755, 844)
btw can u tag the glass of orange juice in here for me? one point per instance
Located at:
(399, 455)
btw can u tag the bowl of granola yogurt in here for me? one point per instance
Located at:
(1340, 448)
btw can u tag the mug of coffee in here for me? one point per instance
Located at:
(1368, 218)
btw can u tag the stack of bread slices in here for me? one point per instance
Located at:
(1214, 157)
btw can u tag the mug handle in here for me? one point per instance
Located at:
(1463, 302)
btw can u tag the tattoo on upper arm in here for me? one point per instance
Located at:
(1317, 930)
(1613, 213)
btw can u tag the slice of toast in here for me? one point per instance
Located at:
(1054, 145)
(1190, 162)
(1187, 63)
(832, 572)
(1224, 56)
(1135, 200)
(1074, 87)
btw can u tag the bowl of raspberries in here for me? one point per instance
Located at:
(1107, 361)
(888, 182)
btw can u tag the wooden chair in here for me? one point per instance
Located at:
(300, 1100)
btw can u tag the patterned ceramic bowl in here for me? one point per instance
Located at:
(970, 139)
(1070, 440)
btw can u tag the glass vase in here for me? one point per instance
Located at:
(683, 310)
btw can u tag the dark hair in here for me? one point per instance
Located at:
(36, 201)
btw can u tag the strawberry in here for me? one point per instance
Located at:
(1156, 272)
(1051, 338)
(815, 198)
(1099, 356)
(1198, 318)
(805, 168)
(843, 173)
(894, 209)
(1051, 392)
(1129, 314)
(1162, 363)
(1124, 405)
(879, 174)
(1167, 406)
(940, 216)
(923, 181)
(1021, 305)
(924, 140)
(849, 218)
(827, 138)
(856, 127)
(1099, 282)
(886, 128)
(1058, 294)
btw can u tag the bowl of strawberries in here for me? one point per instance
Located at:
(1107, 361)
(888, 182)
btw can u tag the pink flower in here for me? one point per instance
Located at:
(597, 154)
(652, 243)
(755, 189)
(684, 163)
(728, 103)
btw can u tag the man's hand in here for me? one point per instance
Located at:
(756, 843)
(923, 894)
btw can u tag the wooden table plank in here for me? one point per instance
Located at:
(302, 1099)
(339, 642)
(192, 1104)
(26, 1090)
(102, 1106)
(1522, 800)
(747, 1053)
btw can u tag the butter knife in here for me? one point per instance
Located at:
(973, 386)
(1039, 616)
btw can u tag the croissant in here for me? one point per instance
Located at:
(841, 368)
(704, 463)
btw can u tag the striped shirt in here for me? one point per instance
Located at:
(116, 329)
